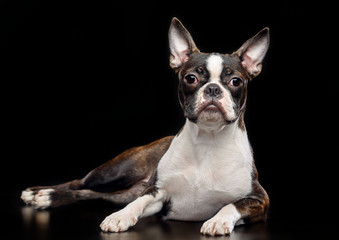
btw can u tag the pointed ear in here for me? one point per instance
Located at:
(253, 51)
(181, 44)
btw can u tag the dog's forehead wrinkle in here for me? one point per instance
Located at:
(233, 63)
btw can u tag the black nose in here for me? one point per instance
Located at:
(213, 90)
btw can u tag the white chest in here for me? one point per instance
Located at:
(201, 177)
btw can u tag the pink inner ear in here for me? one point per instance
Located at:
(184, 55)
(250, 64)
(246, 61)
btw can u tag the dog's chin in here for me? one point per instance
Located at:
(211, 119)
(214, 117)
(211, 114)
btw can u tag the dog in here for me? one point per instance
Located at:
(204, 173)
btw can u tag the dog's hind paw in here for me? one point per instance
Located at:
(43, 199)
(27, 196)
(39, 199)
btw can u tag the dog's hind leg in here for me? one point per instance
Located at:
(130, 168)
(29, 194)
(46, 198)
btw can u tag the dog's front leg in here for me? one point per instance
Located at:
(223, 222)
(143, 206)
(253, 208)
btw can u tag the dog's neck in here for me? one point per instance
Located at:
(206, 134)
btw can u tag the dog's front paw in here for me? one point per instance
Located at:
(118, 222)
(217, 226)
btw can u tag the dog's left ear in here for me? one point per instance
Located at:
(253, 51)
(181, 44)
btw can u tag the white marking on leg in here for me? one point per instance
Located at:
(43, 199)
(223, 222)
(143, 206)
(27, 196)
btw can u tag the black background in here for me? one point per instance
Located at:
(83, 81)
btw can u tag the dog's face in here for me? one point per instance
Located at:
(213, 86)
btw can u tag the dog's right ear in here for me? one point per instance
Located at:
(181, 44)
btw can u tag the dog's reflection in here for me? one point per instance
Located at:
(37, 219)
(148, 228)
(151, 228)
(30, 215)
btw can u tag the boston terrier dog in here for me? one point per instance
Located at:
(204, 173)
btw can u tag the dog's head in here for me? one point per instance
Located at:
(213, 86)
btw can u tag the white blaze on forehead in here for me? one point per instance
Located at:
(214, 66)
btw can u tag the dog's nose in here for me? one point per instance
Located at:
(213, 90)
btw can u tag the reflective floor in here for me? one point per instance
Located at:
(81, 221)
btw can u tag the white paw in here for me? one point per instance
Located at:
(27, 196)
(43, 199)
(119, 221)
(217, 226)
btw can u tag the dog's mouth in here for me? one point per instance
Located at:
(211, 106)
(211, 115)
(211, 111)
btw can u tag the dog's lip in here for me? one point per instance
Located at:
(211, 106)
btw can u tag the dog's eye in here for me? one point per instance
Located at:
(191, 79)
(235, 82)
